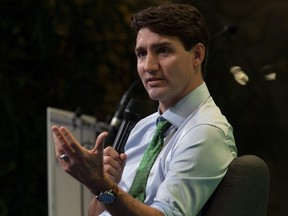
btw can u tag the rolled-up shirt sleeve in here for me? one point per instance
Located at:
(193, 168)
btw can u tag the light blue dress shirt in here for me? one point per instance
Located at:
(198, 149)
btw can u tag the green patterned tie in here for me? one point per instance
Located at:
(138, 187)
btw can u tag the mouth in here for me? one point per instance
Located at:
(154, 81)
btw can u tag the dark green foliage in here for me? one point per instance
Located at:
(54, 53)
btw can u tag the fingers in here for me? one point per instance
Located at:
(114, 163)
(123, 157)
(59, 141)
(112, 169)
(65, 143)
(110, 151)
(73, 144)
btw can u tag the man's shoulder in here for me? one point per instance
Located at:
(208, 114)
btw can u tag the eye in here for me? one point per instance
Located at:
(163, 50)
(141, 53)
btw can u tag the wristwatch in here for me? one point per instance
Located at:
(107, 197)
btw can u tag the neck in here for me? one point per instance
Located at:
(165, 105)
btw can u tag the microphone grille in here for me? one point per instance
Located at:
(133, 110)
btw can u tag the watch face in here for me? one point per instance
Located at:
(106, 197)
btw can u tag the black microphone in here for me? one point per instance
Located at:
(131, 116)
(116, 121)
(118, 116)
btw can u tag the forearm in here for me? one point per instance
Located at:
(95, 208)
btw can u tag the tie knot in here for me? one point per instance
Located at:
(162, 126)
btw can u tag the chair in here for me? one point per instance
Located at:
(244, 190)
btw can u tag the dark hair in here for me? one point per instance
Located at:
(179, 20)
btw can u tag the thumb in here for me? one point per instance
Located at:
(123, 158)
(99, 142)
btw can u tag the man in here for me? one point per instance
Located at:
(171, 46)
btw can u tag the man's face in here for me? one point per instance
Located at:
(167, 70)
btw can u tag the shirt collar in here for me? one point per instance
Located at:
(178, 113)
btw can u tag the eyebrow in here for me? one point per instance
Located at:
(154, 46)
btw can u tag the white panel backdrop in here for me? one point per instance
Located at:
(65, 195)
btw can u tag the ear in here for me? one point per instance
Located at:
(199, 54)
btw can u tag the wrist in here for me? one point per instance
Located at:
(98, 186)
(108, 196)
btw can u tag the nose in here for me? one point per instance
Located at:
(151, 64)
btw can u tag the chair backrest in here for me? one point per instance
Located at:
(244, 190)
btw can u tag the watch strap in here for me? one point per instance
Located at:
(110, 194)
